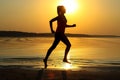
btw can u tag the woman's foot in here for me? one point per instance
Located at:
(65, 60)
(45, 63)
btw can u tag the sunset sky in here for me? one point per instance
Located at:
(90, 16)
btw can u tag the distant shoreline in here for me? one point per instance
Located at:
(29, 34)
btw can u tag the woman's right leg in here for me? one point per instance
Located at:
(55, 43)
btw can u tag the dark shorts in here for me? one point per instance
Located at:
(61, 37)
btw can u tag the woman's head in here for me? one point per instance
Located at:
(61, 10)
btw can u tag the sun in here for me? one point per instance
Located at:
(70, 5)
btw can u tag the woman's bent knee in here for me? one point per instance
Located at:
(69, 45)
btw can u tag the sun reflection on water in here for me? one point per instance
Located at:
(67, 66)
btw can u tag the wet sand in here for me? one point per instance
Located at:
(54, 74)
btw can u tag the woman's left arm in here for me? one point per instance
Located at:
(74, 25)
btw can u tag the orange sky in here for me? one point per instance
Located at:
(91, 17)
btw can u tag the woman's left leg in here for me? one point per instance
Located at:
(68, 45)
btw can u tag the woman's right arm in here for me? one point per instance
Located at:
(51, 25)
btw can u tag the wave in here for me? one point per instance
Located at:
(15, 39)
(74, 61)
(21, 59)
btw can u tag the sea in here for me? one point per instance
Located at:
(29, 52)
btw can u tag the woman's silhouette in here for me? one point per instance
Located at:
(59, 34)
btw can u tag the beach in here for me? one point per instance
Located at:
(57, 74)
(91, 59)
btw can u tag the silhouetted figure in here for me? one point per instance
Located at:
(59, 34)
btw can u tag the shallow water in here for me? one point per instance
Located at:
(84, 52)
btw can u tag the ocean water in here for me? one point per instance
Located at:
(29, 52)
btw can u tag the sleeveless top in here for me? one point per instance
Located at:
(61, 24)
